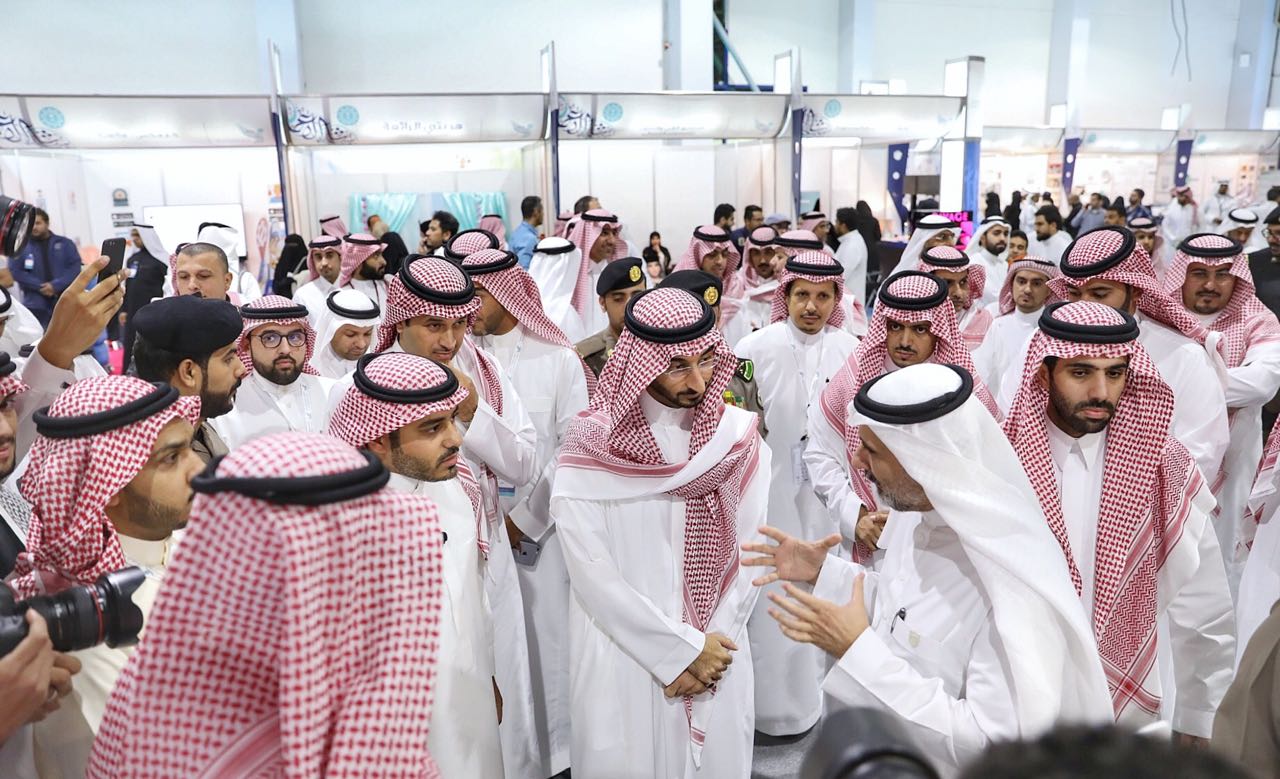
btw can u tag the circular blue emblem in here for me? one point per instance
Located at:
(832, 109)
(51, 117)
(348, 115)
(612, 112)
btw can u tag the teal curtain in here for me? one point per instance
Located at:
(395, 208)
(468, 207)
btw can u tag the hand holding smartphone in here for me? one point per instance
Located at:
(113, 250)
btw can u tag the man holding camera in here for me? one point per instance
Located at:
(108, 482)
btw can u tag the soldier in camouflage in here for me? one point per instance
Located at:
(620, 281)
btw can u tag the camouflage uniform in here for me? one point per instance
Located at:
(595, 349)
(742, 392)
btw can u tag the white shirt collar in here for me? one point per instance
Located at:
(1061, 444)
(802, 338)
(151, 554)
(277, 390)
(658, 414)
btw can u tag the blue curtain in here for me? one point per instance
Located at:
(395, 208)
(468, 207)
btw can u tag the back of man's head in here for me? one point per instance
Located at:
(583, 204)
(529, 206)
(1273, 194)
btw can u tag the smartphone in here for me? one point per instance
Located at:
(113, 250)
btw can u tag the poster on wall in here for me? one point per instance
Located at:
(122, 219)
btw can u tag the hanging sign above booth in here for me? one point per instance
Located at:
(880, 117)
(672, 115)
(129, 122)
(378, 119)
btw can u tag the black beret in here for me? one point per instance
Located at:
(700, 283)
(620, 274)
(188, 325)
(1273, 218)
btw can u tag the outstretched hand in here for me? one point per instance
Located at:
(792, 560)
(829, 626)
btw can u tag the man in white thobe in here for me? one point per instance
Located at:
(1051, 236)
(324, 260)
(795, 357)
(346, 326)
(930, 231)
(1022, 297)
(1210, 277)
(1241, 225)
(659, 482)
(554, 269)
(364, 269)
(1219, 204)
(404, 409)
(281, 391)
(966, 282)
(244, 285)
(431, 305)
(1092, 425)
(971, 633)
(989, 247)
(761, 268)
(552, 381)
(851, 253)
(1181, 217)
(598, 236)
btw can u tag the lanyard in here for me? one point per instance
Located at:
(810, 385)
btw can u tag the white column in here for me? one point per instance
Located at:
(687, 35)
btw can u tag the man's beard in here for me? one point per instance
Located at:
(151, 515)
(1070, 414)
(215, 405)
(278, 373)
(683, 399)
(372, 274)
(911, 500)
(413, 468)
(996, 248)
(6, 467)
(1203, 301)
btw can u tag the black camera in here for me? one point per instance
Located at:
(16, 221)
(79, 617)
(865, 743)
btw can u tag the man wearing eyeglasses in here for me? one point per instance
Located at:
(282, 391)
(1264, 264)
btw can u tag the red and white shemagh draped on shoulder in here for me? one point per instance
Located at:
(459, 246)
(612, 435)
(760, 239)
(90, 444)
(356, 249)
(1111, 254)
(1244, 321)
(817, 267)
(493, 224)
(319, 663)
(704, 241)
(583, 234)
(392, 390)
(562, 224)
(1148, 483)
(280, 311)
(499, 272)
(317, 247)
(333, 225)
(909, 297)
(1036, 264)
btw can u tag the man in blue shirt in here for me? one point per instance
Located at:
(525, 237)
(44, 268)
(1136, 209)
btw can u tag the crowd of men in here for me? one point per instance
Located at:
(468, 513)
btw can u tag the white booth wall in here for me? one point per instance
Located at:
(1115, 175)
(844, 172)
(1004, 173)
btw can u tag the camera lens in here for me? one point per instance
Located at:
(15, 225)
(121, 617)
(79, 617)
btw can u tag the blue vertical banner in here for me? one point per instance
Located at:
(972, 163)
(897, 180)
(1070, 150)
(1183, 161)
(555, 167)
(797, 134)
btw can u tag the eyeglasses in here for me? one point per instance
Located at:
(705, 365)
(1272, 233)
(271, 339)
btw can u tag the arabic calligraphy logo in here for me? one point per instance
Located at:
(579, 123)
(348, 115)
(814, 125)
(14, 130)
(51, 117)
(612, 112)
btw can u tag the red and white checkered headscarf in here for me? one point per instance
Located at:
(705, 240)
(562, 224)
(516, 291)
(583, 233)
(316, 247)
(260, 312)
(1037, 264)
(431, 273)
(1244, 321)
(613, 435)
(468, 241)
(10, 384)
(951, 259)
(796, 269)
(360, 417)
(1118, 257)
(493, 224)
(810, 221)
(70, 479)
(1148, 483)
(792, 242)
(320, 661)
(762, 238)
(333, 225)
(356, 249)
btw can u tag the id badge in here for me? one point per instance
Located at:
(799, 471)
(506, 490)
(527, 553)
(29, 263)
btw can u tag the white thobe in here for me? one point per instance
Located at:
(263, 407)
(1199, 403)
(247, 287)
(792, 369)
(1179, 221)
(757, 306)
(20, 327)
(1004, 344)
(556, 275)
(64, 739)
(931, 655)
(1192, 590)
(595, 318)
(313, 295)
(1215, 209)
(505, 443)
(996, 269)
(852, 255)
(1051, 249)
(329, 364)
(627, 636)
(464, 721)
(553, 388)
